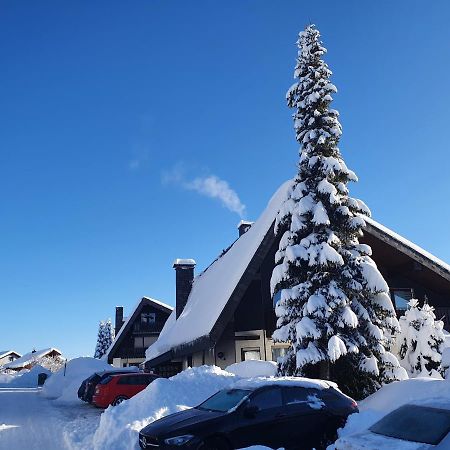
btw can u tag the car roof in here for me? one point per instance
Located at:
(134, 374)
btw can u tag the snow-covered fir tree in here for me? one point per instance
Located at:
(420, 342)
(105, 338)
(334, 307)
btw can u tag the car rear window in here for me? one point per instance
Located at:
(415, 423)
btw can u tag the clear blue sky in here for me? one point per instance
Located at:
(109, 110)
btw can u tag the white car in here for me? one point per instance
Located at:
(410, 427)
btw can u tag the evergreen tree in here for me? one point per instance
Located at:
(105, 338)
(420, 343)
(334, 307)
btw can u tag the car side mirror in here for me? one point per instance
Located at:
(250, 411)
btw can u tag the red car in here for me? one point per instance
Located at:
(114, 389)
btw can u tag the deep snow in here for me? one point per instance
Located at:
(30, 421)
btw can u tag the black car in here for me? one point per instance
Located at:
(87, 387)
(287, 415)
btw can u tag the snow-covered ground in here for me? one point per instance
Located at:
(30, 421)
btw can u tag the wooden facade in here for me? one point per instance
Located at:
(138, 332)
(246, 323)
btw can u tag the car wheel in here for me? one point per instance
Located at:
(119, 400)
(214, 444)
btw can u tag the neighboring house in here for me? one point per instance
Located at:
(226, 314)
(137, 332)
(8, 356)
(28, 360)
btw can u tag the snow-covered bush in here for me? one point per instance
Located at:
(334, 305)
(63, 385)
(105, 338)
(51, 363)
(420, 343)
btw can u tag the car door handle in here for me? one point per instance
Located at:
(280, 415)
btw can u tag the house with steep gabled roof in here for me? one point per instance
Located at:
(28, 360)
(226, 313)
(7, 356)
(137, 332)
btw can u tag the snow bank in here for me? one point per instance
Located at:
(63, 385)
(415, 390)
(119, 425)
(23, 379)
(255, 368)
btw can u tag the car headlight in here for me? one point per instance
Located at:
(179, 440)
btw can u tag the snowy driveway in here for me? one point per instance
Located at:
(30, 421)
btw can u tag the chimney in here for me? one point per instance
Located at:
(184, 270)
(119, 319)
(244, 226)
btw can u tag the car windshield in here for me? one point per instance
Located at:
(415, 423)
(224, 400)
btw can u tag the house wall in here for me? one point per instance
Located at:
(254, 320)
(8, 358)
(138, 337)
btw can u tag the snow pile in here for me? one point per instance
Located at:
(23, 379)
(255, 368)
(390, 397)
(63, 385)
(119, 426)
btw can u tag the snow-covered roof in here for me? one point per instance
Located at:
(30, 357)
(411, 249)
(128, 319)
(4, 353)
(223, 275)
(220, 278)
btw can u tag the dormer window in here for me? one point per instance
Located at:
(148, 318)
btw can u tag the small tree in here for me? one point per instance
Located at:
(105, 338)
(334, 307)
(420, 343)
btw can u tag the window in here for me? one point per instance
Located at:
(401, 297)
(250, 354)
(295, 395)
(267, 399)
(278, 352)
(148, 318)
(148, 340)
